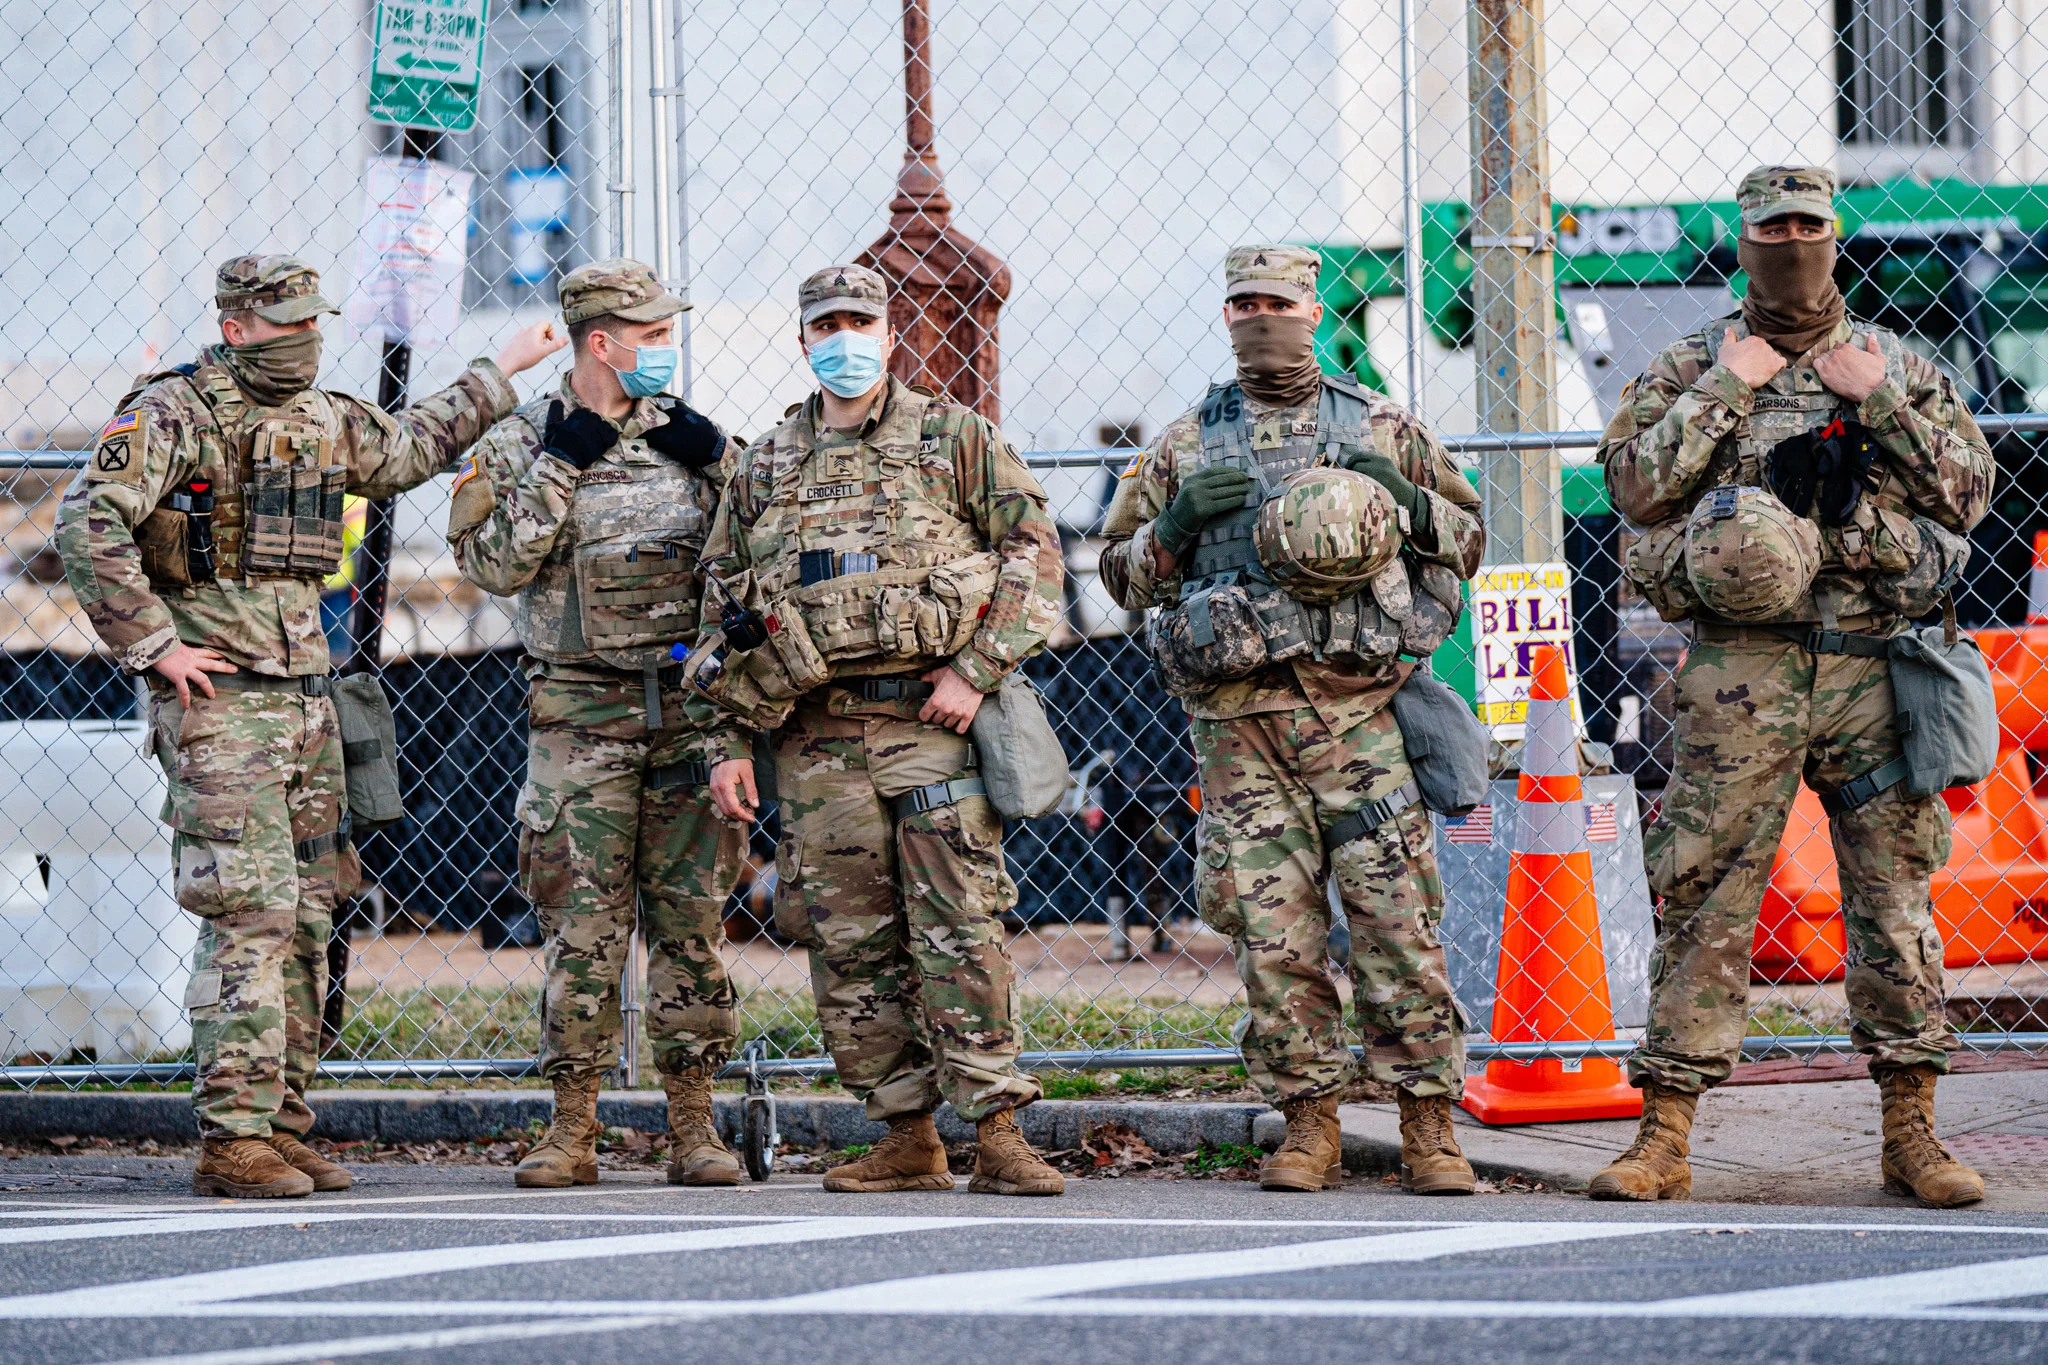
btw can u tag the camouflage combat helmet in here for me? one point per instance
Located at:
(1327, 533)
(1748, 556)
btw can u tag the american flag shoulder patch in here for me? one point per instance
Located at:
(127, 421)
(1602, 825)
(1474, 827)
(1137, 463)
(463, 474)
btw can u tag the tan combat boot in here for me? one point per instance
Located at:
(910, 1157)
(1915, 1162)
(325, 1174)
(1654, 1166)
(567, 1153)
(1430, 1160)
(1004, 1162)
(1312, 1158)
(695, 1155)
(246, 1168)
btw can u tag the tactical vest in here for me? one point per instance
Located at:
(622, 582)
(267, 495)
(898, 573)
(1231, 618)
(1880, 540)
(1777, 416)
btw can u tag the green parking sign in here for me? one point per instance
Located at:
(426, 63)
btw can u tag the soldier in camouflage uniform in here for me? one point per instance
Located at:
(196, 539)
(589, 506)
(1304, 775)
(906, 563)
(1800, 688)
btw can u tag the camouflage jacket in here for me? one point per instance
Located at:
(986, 485)
(1681, 428)
(265, 625)
(511, 526)
(1342, 693)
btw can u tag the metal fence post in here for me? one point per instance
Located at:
(1511, 276)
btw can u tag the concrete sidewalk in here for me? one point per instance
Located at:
(1762, 1144)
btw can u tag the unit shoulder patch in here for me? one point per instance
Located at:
(117, 456)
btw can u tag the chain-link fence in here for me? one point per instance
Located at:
(1562, 184)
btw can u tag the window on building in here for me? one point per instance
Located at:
(1902, 73)
(1120, 435)
(541, 93)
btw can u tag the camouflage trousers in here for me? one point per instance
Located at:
(255, 777)
(1272, 783)
(916, 993)
(1752, 720)
(608, 841)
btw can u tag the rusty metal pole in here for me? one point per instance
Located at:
(945, 289)
(1513, 301)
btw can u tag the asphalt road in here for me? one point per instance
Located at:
(108, 1261)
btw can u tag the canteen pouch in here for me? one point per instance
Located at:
(1445, 742)
(1023, 766)
(1213, 636)
(1942, 707)
(369, 752)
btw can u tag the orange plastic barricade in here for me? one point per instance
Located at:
(1552, 980)
(1991, 899)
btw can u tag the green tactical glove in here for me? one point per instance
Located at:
(1208, 492)
(1384, 472)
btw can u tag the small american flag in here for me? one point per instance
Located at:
(1601, 827)
(1473, 828)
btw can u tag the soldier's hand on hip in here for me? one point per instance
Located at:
(1850, 370)
(953, 702)
(580, 438)
(1753, 359)
(531, 345)
(187, 666)
(733, 790)
(1207, 492)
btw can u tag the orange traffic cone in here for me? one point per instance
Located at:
(1552, 982)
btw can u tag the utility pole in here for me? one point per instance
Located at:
(944, 289)
(1513, 302)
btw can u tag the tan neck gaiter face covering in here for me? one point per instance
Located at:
(272, 372)
(1792, 301)
(1276, 359)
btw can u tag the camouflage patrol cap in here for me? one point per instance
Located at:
(1773, 191)
(275, 288)
(843, 289)
(1286, 271)
(616, 288)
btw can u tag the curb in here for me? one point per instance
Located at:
(462, 1116)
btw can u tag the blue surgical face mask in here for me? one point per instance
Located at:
(848, 363)
(653, 367)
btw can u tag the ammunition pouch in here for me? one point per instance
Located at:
(292, 503)
(1937, 566)
(636, 593)
(899, 615)
(176, 540)
(1228, 629)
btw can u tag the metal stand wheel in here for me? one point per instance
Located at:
(758, 1134)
